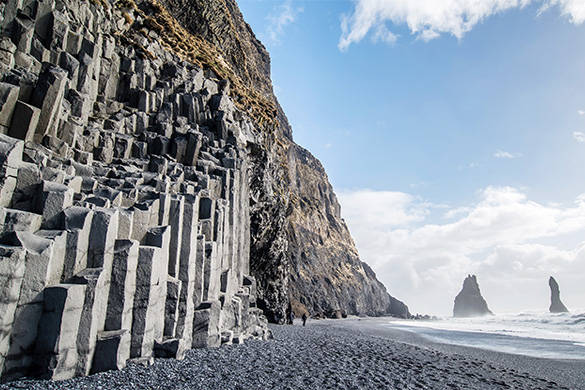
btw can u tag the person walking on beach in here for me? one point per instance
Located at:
(291, 317)
(304, 318)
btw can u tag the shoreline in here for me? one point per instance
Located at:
(566, 372)
(335, 354)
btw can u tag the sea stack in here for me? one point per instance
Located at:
(556, 306)
(469, 302)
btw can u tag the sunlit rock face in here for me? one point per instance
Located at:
(469, 302)
(301, 247)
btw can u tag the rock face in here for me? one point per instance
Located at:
(469, 302)
(301, 247)
(124, 194)
(151, 197)
(556, 305)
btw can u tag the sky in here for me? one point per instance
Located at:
(453, 133)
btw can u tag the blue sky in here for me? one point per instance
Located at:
(453, 133)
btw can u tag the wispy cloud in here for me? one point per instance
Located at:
(284, 16)
(579, 136)
(428, 19)
(422, 252)
(508, 155)
(581, 112)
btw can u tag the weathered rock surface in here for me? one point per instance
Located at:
(556, 305)
(469, 302)
(123, 195)
(301, 248)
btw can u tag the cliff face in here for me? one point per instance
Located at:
(125, 191)
(301, 247)
(326, 272)
(147, 174)
(469, 302)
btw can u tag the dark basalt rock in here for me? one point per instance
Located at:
(292, 258)
(556, 306)
(469, 302)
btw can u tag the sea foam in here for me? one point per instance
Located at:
(540, 334)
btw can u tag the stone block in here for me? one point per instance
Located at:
(43, 18)
(23, 32)
(171, 348)
(160, 237)
(8, 99)
(48, 96)
(125, 220)
(24, 121)
(177, 210)
(122, 285)
(59, 30)
(146, 301)
(19, 359)
(206, 331)
(7, 49)
(56, 346)
(71, 65)
(172, 306)
(37, 274)
(104, 231)
(193, 148)
(59, 243)
(12, 266)
(93, 315)
(73, 43)
(123, 146)
(187, 268)
(81, 105)
(112, 350)
(54, 199)
(145, 216)
(78, 221)
(199, 271)
(211, 281)
(17, 220)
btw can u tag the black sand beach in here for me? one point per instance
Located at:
(337, 354)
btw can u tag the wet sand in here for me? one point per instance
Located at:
(337, 354)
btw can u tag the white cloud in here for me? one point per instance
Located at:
(420, 184)
(579, 136)
(286, 15)
(328, 146)
(428, 19)
(382, 34)
(422, 252)
(502, 154)
(573, 9)
(581, 112)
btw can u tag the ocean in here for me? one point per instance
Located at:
(537, 334)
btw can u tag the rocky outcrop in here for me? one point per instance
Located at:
(326, 273)
(556, 305)
(469, 302)
(301, 247)
(124, 194)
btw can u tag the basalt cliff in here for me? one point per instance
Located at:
(152, 198)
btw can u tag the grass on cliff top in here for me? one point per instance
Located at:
(198, 51)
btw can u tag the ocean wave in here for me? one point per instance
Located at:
(537, 325)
